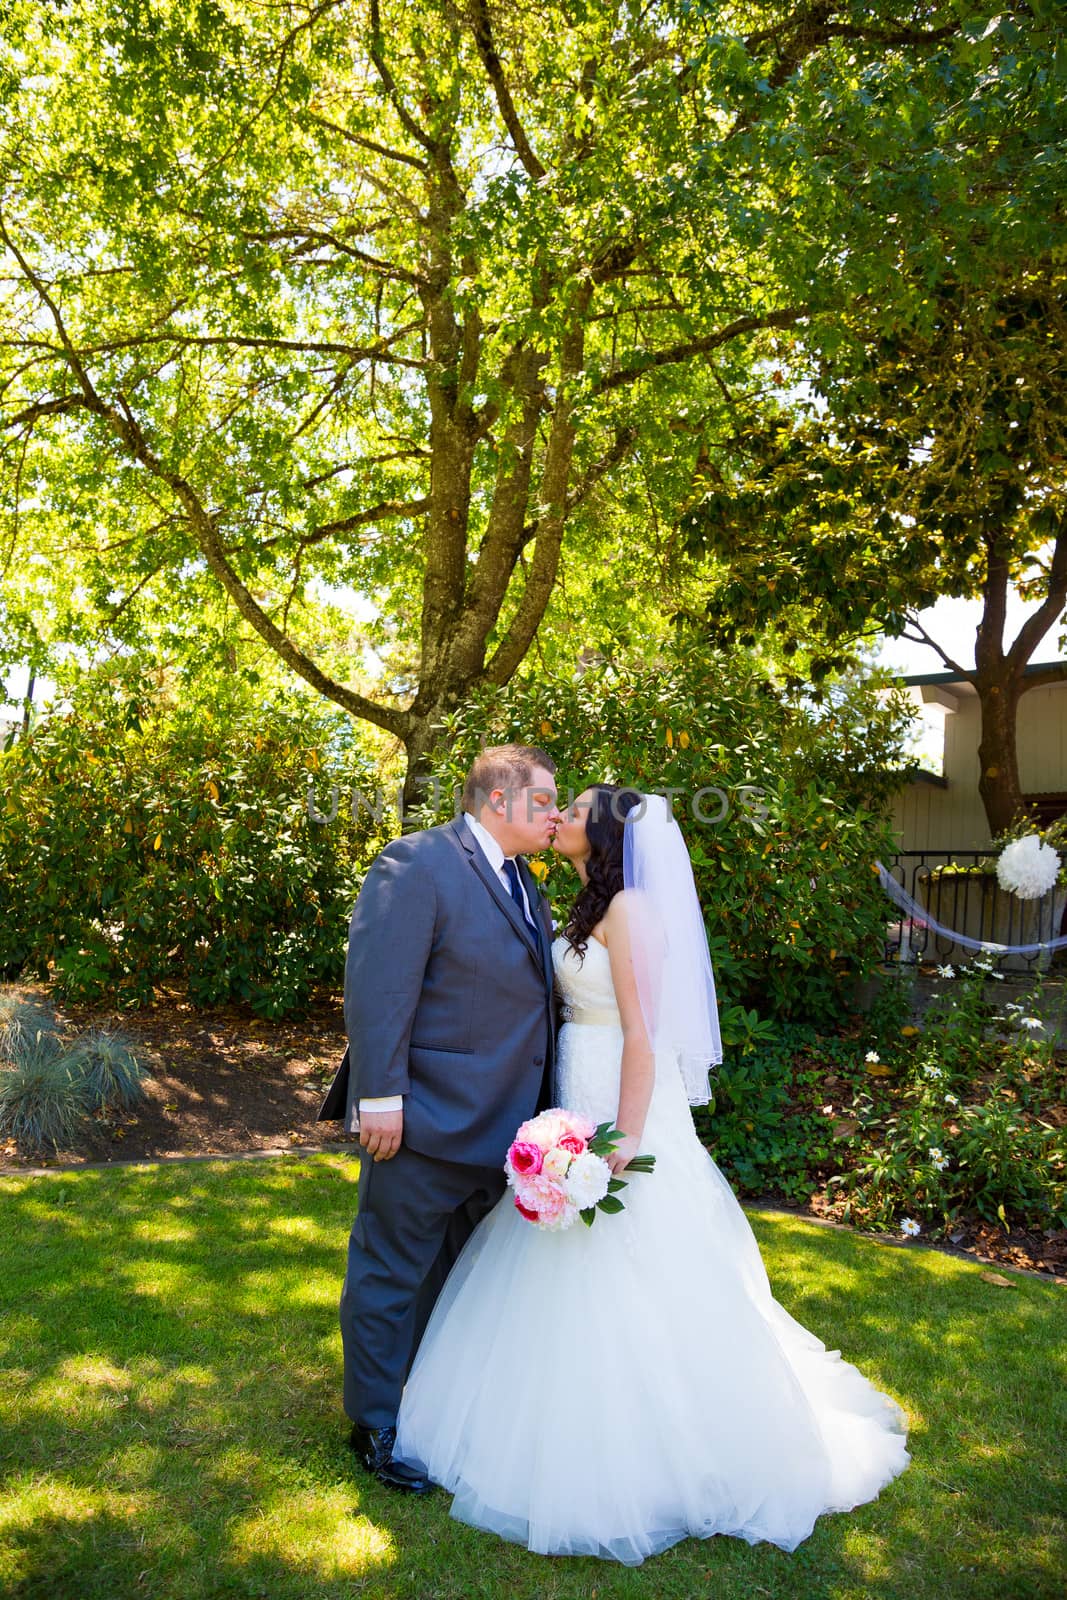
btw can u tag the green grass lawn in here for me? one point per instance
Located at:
(170, 1419)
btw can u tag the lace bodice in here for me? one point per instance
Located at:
(590, 1052)
(585, 984)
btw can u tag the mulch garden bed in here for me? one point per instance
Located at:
(225, 1082)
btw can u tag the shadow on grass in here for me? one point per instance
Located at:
(171, 1422)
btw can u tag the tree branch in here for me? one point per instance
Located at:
(555, 477)
(253, 342)
(695, 347)
(483, 38)
(924, 638)
(625, 438)
(1054, 673)
(381, 66)
(385, 269)
(134, 592)
(47, 408)
(363, 143)
(1051, 609)
(359, 519)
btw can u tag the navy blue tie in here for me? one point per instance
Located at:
(511, 873)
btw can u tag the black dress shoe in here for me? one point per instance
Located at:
(374, 1447)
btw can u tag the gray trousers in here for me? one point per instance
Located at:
(415, 1215)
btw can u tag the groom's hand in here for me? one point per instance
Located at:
(380, 1133)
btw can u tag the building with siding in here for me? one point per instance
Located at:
(941, 810)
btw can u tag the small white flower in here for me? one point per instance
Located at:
(999, 976)
(950, 1100)
(946, 972)
(1031, 1022)
(587, 1181)
(827, 1111)
(1010, 1005)
(909, 1227)
(938, 1157)
(932, 1072)
(873, 1056)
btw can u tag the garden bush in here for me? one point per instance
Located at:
(898, 1127)
(792, 815)
(963, 1115)
(146, 839)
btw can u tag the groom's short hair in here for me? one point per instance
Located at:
(502, 766)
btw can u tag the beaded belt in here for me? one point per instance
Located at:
(604, 1016)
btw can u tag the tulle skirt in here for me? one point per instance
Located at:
(611, 1390)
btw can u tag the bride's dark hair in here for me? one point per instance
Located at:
(609, 807)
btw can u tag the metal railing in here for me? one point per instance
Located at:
(968, 899)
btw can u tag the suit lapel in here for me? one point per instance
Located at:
(503, 899)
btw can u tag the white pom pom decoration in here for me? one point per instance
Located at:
(1027, 868)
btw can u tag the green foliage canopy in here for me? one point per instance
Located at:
(368, 296)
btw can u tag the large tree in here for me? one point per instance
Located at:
(927, 462)
(356, 294)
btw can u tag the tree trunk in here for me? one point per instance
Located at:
(421, 740)
(998, 760)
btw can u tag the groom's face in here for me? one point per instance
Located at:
(523, 820)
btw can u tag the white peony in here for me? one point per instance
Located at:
(587, 1181)
(1027, 868)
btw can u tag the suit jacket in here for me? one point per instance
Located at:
(448, 997)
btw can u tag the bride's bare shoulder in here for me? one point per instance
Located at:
(627, 907)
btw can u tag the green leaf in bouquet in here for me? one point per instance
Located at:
(611, 1204)
(588, 1216)
(615, 1185)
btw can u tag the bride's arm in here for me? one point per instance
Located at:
(638, 1060)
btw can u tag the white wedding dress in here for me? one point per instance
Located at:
(611, 1390)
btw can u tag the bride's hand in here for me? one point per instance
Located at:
(623, 1154)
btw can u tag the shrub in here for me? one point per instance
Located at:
(960, 1121)
(794, 911)
(148, 841)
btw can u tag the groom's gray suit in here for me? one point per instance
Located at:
(448, 1002)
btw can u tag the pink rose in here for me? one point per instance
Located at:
(573, 1143)
(526, 1158)
(546, 1200)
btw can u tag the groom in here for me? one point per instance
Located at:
(448, 1011)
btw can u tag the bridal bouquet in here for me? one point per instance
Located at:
(558, 1173)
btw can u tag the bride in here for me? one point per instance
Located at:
(611, 1390)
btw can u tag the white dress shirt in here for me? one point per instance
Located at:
(493, 852)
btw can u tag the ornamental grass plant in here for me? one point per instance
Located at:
(50, 1086)
(44, 1095)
